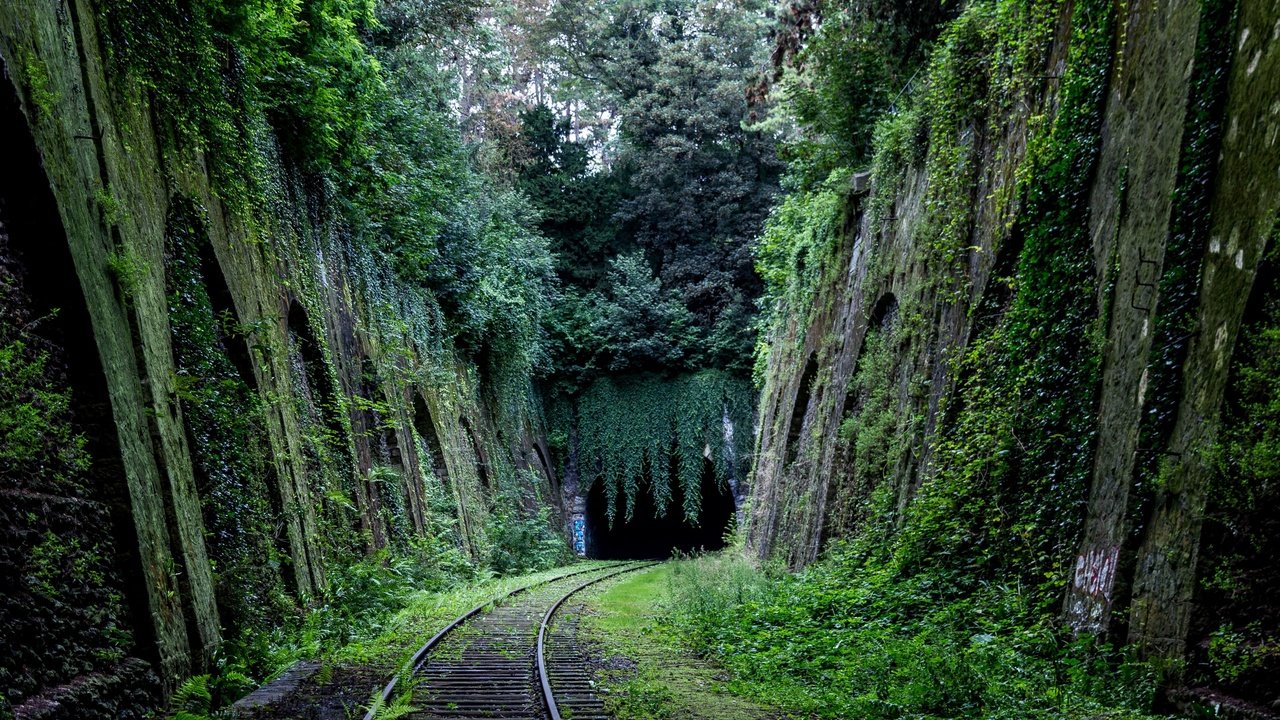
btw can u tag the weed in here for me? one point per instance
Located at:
(849, 638)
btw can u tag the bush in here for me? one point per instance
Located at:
(523, 540)
(847, 638)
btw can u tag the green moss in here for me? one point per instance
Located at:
(35, 74)
(129, 271)
(227, 436)
(1012, 469)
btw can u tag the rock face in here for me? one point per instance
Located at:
(214, 411)
(1128, 173)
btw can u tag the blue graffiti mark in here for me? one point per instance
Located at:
(579, 535)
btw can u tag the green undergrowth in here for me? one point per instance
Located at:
(851, 639)
(377, 612)
(658, 678)
(362, 598)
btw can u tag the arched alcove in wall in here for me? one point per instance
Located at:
(65, 504)
(424, 424)
(442, 496)
(312, 378)
(884, 314)
(882, 321)
(482, 464)
(543, 465)
(847, 488)
(800, 408)
(242, 499)
(325, 439)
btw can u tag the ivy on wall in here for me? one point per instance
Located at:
(1012, 462)
(660, 428)
(225, 428)
(1012, 473)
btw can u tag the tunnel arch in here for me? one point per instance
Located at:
(650, 535)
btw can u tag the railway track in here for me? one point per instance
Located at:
(507, 663)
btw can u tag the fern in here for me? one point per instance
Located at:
(192, 699)
(399, 708)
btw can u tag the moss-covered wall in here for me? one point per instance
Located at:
(279, 404)
(1004, 349)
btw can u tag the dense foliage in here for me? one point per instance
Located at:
(631, 143)
(835, 68)
(846, 639)
(359, 96)
(345, 112)
(931, 602)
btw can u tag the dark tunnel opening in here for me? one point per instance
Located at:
(648, 536)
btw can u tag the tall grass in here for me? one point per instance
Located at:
(845, 639)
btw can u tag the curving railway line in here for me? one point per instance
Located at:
(507, 662)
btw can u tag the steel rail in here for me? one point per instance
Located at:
(419, 658)
(548, 697)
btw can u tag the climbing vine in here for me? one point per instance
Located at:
(1011, 476)
(663, 429)
(224, 417)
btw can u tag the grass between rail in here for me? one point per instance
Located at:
(426, 613)
(644, 671)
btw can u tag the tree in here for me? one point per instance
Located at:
(577, 205)
(695, 185)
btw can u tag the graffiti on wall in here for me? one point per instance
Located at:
(1091, 587)
(579, 535)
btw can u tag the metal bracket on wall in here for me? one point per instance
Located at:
(1138, 282)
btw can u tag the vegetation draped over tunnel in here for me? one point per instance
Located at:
(637, 149)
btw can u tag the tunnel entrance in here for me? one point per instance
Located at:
(648, 536)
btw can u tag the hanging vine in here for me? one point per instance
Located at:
(632, 428)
